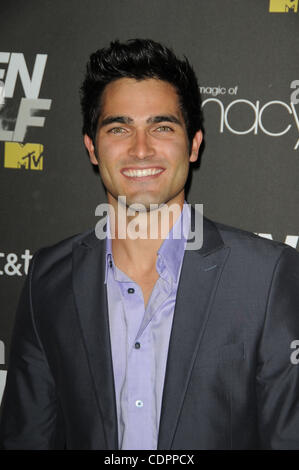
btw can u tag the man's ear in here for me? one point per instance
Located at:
(90, 148)
(196, 143)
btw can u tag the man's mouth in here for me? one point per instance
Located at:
(142, 173)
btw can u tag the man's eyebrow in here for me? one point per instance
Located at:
(164, 118)
(151, 120)
(110, 119)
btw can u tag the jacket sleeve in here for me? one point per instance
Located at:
(277, 380)
(29, 415)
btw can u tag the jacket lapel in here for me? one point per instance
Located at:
(199, 279)
(201, 271)
(91, 301)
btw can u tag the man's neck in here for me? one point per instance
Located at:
(139, 253)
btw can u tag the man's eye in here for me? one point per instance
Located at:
(164, 128)
(117, 130)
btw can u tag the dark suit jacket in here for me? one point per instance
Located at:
(229, 384)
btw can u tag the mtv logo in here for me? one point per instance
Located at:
(283, 6)
(23, 156)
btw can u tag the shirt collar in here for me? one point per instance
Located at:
(172, 249)
(170, 252)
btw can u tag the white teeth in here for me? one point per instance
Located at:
(139, 173)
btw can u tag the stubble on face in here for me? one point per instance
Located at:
(131, 137)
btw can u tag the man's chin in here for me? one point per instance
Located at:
(145, 206)
(141, 204)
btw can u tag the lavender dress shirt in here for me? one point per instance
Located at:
(140, 338)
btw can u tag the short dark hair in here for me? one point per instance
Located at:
(139, 59)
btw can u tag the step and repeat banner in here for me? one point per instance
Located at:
(245, 53)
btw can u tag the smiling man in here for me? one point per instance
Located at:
(142, 128)
(142, 343)
(142, 150)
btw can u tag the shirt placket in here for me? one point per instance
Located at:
(137, 394)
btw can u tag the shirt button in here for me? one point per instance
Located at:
(131, 290)
(139, 403)
(137, 345)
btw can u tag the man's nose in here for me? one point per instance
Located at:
(141, 145)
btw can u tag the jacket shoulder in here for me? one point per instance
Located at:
(242, 240)
(60, 252)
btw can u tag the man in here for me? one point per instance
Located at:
(123, 343)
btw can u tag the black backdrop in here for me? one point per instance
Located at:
(246, 56)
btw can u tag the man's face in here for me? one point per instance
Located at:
(141, 143)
